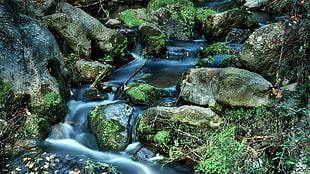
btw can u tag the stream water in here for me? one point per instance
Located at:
(72, 135)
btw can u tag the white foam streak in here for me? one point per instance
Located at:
(121, 162)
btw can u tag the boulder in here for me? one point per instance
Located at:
(217, 26)
(71, 30)
(144, 94)
(110, 124)
(34, 9)
(260, 53)
(158, 124)
(31, 62)
(152, 38)
(254, 3)
(91, 71)
(226, 86)
(107, 40)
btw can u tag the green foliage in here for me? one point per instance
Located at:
(162, 136)
(203, 13)
(52, 99)
(224, 154)
(205, 61)
(214, 49)
(7, 100)
(182, 11)
(130, 18)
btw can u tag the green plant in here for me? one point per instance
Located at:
(52, 99)
(214, 49)
(205, 61)
(130, 18)
(224, 154)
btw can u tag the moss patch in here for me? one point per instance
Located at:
(130, 18)
(108, 132)
(144, 94)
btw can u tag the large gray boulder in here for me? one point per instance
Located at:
(254, 3)
(218, 25)
(109, 41)
(31, 62)
(226, 86)
(71, 30)
(260, 53)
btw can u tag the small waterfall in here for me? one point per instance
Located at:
(72, 137)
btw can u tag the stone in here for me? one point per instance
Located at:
(218, 25)
(91, 71)
(153, 39)
(144, 94)
(260, 53)
(110, 124)
(225, 86)
(254, 3)
(107, 40)
(31, 62)
(156, 123)
(71, 30)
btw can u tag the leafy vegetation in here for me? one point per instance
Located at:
(130, 18)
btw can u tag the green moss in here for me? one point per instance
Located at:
(108, 132)
(52, 108)
(130, 18)
(250, 21)
(214, 49)
(144, 94)
(162, 136)
(203, 13)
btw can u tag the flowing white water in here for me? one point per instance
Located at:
(72, 137)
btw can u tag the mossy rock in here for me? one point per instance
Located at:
(144, 94)
(153, 39)
(131, 17)
(217, 26)
(109, 123)
(37, 127)
(53, 108)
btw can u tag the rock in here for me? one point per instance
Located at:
(227, 86)
(31, 62)
(36, 127)
(113, 23)
(107, 40)
(238, 35)
(153, 39)
(71, 30)
(254, 3)
(91, 71)
(35, 9)
(218, 25)
(175, 30)
(110, 124)
(144, 94)
(196, 116)
(260, 53)
(157, 121)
